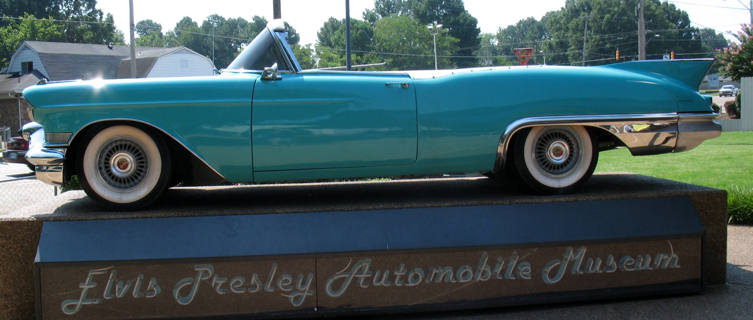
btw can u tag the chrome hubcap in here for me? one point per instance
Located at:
(558, 152)
(555, 151)
(122, 164)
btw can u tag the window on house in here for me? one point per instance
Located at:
(27, 67)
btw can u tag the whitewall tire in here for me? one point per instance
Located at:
(124, 167)
(555, 159)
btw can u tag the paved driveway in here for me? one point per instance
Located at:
(19, 188)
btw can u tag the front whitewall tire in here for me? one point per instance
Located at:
(124, 167)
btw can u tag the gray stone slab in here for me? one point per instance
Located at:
(19, 231)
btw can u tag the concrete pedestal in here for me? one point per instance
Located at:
(20, 232)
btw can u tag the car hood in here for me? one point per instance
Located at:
(81, 93)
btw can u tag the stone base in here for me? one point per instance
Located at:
(20, 232)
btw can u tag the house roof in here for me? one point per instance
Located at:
(13, 83)
(145, 61)
(67, 61)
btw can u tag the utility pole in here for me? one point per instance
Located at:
(276, 9)
(133, 42)
(347, 35)
(585, 30)
(641, 32)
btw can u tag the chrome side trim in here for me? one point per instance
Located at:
(58, 138)
(643, 134)
(694, 128)
(73, 138)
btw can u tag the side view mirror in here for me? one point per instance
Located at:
(270, 73)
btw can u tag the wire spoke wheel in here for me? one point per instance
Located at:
(122, 164)
(555, 159)
(124, 167)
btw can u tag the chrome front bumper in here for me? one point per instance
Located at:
(48, 162)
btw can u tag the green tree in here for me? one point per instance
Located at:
(79, 20)
(305, 55)
(407, 44)
(490, 53)
(612, 26)
(149, 34)
(147, 26)
(28, 28)
(737, 60)
(459, 24)
(527, 33)
(331, 41)
(220, 38)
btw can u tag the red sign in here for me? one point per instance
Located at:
(524, 55)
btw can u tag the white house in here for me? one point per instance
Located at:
(69, 61)
(35, 60)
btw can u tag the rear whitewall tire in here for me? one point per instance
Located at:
(124, 168)
(555, 159)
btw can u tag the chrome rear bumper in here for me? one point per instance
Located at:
(694, 128)
(48, 162)
(642, 134)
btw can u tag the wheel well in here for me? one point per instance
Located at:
(187, 167)
(606, 140)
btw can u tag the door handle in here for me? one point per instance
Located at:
(403, 85)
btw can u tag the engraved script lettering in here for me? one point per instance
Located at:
(554, 271)
(113, 289)
(360, 274)
(364, 273)
(294, 288)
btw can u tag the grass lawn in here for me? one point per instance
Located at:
(725, 163)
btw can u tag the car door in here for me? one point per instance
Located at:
(323, 120)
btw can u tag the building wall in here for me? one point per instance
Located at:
(9, 114)
(181, 64)
(745, 123)
(23, 55)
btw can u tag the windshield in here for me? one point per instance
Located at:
(260, 53)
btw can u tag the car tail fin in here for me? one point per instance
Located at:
(687, 71)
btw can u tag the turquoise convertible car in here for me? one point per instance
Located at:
(266, 120)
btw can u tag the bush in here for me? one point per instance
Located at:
(740, 205)
(733, 109)
(71, 184)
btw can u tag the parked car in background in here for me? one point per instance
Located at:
(15, 151)
(265, 120)
(727, 91)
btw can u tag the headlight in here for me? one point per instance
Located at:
(29, 128)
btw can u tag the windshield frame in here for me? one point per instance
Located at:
(280, 44)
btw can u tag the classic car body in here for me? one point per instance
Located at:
(266, 120)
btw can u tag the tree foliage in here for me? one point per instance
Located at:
(414, 43)
(737, 60)
(77, 21)
(29, 28)
(451, 14)
(612, 26)
(218, 38)
(330, 45)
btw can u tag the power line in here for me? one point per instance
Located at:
(706, 5)
(56, 20)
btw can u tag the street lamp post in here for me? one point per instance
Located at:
(435, 28)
